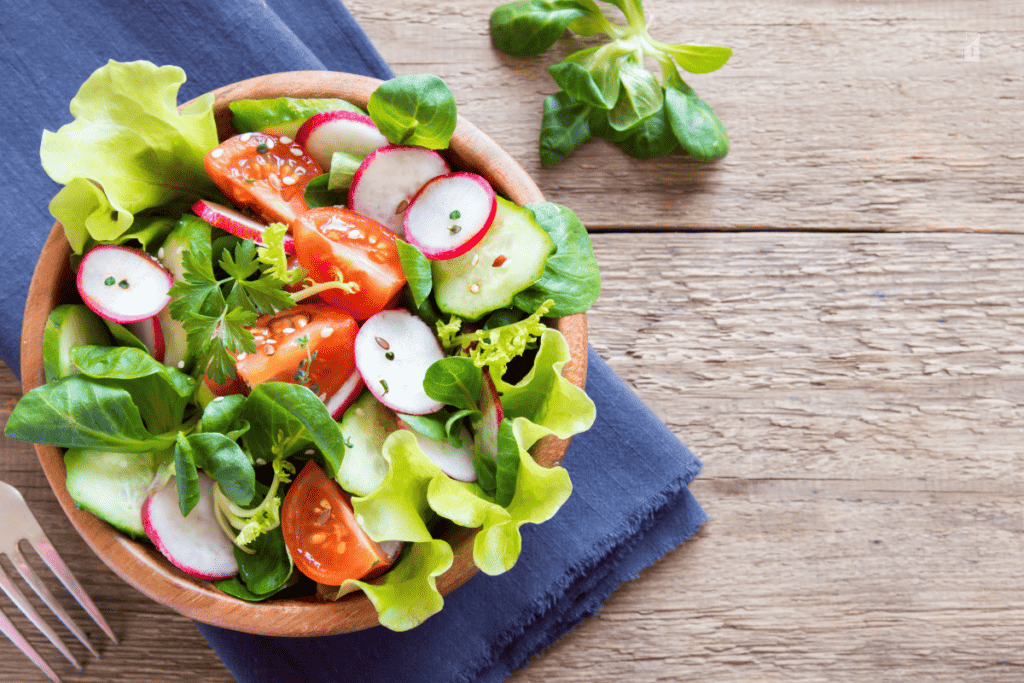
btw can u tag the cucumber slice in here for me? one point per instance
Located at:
(69, 325)
(507, 260)
(283, 115)
(171, 255)
(365, 425)
(113, 486)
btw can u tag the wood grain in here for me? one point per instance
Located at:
(842, 115)
(830, 318)
(857, 401)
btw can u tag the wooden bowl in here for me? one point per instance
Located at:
(139, 563)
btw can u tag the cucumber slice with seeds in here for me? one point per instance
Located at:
(508, 259)
(113, 486)
(68, 326)
(366, 425)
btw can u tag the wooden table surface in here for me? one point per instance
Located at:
(832, 318)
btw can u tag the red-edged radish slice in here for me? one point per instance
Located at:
(195, 544)
(450, 214)
(123, 284)
(235, 222)
(339, 131)
(457, 463)
(151, 333)
(393, 350)
(490, 419)
(345, 396)
(388, 178)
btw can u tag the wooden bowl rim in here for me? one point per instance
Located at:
(141, 565)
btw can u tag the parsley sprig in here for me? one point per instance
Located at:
(215, 312)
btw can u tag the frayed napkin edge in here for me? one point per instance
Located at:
(586, 585)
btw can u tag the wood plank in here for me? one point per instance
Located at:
(853, 115)
(857, 400)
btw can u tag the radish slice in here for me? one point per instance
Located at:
(345, 396)
(339, 131)
(388, 178)
(195, 544)
(123, 284)
(450, 214)
(151, 333)
(393, 350)
(457, 463)
(235, 222)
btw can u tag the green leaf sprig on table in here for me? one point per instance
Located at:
(606, 91)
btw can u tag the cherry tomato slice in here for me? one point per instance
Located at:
(264, 173)
(321, 532)
(308, 344)
(334, 242)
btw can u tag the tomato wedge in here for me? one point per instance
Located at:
(335, 243)
(308, 344)
(264, 173)
(321, 532)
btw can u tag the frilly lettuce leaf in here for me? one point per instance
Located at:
(395, 510)
(407, 594)
(129, 139)
(540, 492)
(544, 397)
(542, 403)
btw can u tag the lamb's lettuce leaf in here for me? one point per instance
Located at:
(129, 138)
(83, 412)
(288, 419)
(571, 277)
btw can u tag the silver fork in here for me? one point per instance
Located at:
(17, 523)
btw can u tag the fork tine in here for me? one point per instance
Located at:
(19, 599)
(27, 573)
(48, 553)
(12, 633)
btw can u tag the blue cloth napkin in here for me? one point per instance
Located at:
(630, 502)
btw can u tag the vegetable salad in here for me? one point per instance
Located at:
(317, 385)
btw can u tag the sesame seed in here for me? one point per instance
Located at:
(297, 151)
(218, 399)
(476, 260)
(354, 234)
(245, 137)
(323, 396)
(303, 322)
(285, 140)
(288, 330)
(217, 153)
(269, 143)
(373, 240)
(261, 461)
(275, 181)
(181, 364)
(288, 180)
(160, 252)
(327, 332)
(241, 356)
(475, 288)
